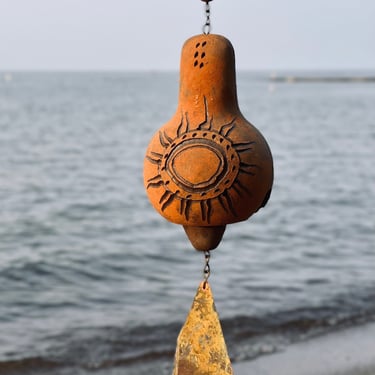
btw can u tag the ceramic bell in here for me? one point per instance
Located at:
(208, 166)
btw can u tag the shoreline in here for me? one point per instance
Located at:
(350, 351)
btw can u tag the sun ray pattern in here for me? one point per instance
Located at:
(215, 180)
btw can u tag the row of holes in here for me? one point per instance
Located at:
(196, 55)
(198, 44)
(202, 55)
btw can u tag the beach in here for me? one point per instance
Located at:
(347, 352)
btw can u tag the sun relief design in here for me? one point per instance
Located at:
(199, 165)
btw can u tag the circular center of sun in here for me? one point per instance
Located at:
(197, 165)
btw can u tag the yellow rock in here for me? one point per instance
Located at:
(201, 348)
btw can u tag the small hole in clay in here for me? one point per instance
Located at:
(201, 65)
(195, 63)
(203, 55)
(197, 45)
(203, 44)
(196, 54)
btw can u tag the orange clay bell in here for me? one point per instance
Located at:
(208, 166)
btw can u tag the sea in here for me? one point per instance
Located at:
(94, 281)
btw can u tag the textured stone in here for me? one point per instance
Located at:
(201, 348)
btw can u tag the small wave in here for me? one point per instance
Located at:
(151, 356)
(27, 366)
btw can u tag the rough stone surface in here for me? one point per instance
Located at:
(201, 348)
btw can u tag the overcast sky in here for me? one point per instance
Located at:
(148, 34)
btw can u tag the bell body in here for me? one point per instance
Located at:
(207, 166)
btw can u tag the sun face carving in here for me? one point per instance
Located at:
(200, 165)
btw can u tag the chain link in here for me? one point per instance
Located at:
(206, 269)
(207, 26)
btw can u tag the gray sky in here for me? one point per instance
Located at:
(148, 34)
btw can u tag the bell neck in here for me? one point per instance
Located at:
(207, 77)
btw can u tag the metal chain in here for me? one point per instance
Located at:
(206, 269)
(207, 26)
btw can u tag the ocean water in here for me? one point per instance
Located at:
(93, 280)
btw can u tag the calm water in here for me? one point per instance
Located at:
(91, 278)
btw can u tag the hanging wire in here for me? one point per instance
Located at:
(207, 26)
(206, 269)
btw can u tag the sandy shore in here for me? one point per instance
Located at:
(347, 352)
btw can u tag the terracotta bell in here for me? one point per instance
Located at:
(208, 166)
